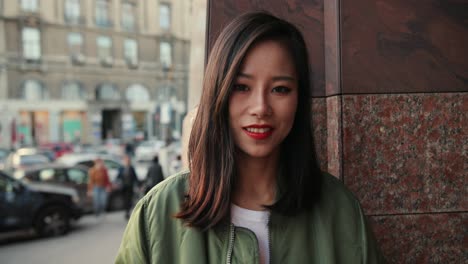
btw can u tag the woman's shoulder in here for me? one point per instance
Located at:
(172, 185)
(152, 223)
(167, 194)
(334, 193)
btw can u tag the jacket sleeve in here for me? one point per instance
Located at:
(134, 247)
(371, 251)
(119, 176)
(90, 179)
(107, 179)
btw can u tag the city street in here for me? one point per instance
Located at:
(91, 241)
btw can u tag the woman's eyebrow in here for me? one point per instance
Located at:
(284, 78)
(276, 78)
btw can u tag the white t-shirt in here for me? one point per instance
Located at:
(257, 222)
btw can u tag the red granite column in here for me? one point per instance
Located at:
(405, 123)
(390, 104)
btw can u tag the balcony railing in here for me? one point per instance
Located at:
(74, 20)
(104, 23)
(129, 27)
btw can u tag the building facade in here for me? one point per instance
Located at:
(91, 70)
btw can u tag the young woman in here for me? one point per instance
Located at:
(254, 193)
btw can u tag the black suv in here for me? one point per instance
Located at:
(46, 208)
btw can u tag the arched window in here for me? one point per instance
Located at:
(73, 90)
(33, 90)
(137, 93)
(107, 91)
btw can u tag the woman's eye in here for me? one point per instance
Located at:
(241, 87)
(281, 90)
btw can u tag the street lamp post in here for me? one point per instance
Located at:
(164, 106)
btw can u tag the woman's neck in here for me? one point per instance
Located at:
(255, 182)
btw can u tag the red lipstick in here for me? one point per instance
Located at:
(258, 132)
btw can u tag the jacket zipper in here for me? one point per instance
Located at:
(269, 241)
(231, 243)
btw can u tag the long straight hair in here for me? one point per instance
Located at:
(211, 147)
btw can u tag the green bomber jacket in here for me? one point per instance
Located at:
(335, 231)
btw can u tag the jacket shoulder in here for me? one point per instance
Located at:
(152, 224)
(164, 200)
(337, 204)
(334, 190)
(175, 185)
(341, 214)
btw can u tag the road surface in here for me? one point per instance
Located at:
(91, 241)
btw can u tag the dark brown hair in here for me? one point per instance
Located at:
(211, 146)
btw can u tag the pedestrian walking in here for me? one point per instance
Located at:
(98, 186)
(129, 149)
(128, 181)
(154, 176)
(254, 193)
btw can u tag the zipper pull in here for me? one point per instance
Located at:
(232, 230)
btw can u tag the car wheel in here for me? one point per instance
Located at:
(52, 221)
(116, 202)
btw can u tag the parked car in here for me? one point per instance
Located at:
(115, 199)
(167, 155)
(75, 177)
(25, 157)
(112, 146)
(3, 156)
(58, 148)
(148, 149)
(47, 209)
(141, 167)
(87, 159)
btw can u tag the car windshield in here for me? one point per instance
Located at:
(147, 144)
(3, 154)
(33, 159)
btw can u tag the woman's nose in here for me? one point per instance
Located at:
(260, 105)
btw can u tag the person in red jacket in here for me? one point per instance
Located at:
(98, 186)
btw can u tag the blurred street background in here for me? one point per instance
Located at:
(81, 80)
(91, 240)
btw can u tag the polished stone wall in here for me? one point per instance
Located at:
(390, 104)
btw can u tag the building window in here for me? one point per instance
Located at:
(72, 11)
(33, 90)
(102, 13)
(29, 5)
(131, 52)
(164, 16)
(107, 91)
(128, 17)
(165, 53)
(137, 93)
(104, 50)
(73, 90)
(31, 43)
(75, 43)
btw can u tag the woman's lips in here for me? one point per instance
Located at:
(258, 132)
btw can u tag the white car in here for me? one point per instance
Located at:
(146, 150)
(24, 157)
(87, 159)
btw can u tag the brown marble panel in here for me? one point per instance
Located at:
(319, 126)
(390, 46)
(334, 134)
(306, 15)
(407, 153)
(422, 238)
(331, 13)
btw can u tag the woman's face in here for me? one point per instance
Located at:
(263, 100)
